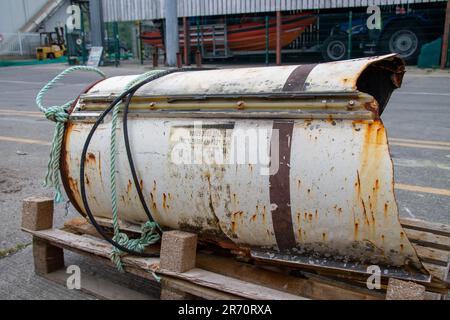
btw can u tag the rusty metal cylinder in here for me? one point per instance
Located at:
(292, 160)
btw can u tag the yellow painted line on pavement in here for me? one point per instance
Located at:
(20, 113)
(23, 140)
(413, 188)
(416, 145)
(415, 141)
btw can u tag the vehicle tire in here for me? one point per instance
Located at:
(406, 39)
(334, 48)
(51, 56)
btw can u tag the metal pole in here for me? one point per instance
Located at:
(83, 38)
(349, 42)
(278, 49)
(96, 22)
(171, 32)
(140, 44)
(20, 43)
(116, 44)
(187, 40)
(444, 54)
(267, 40)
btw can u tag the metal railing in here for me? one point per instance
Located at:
(18, 43)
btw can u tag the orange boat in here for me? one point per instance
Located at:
(249, 36)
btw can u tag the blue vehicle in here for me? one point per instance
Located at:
(403, 33)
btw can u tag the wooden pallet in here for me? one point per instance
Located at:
(213, 273)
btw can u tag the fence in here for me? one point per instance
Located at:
(19, 44)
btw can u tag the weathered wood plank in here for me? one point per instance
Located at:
(305, 287)
(432, 255)
(198, 276)
(234, 286)
(422, 225)
(427, 239)
(438, 272)
(202, 292)
(97, 247)
(311, 288)
(100, 288)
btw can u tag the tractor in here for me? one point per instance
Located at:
(401, 32)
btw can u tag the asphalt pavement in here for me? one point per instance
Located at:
(417, 120)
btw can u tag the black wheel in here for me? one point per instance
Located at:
(334, 48)
(404, 39)
(51, 56)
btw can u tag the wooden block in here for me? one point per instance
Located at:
(170, 293)
(178, 251)
(37, 213)
(47, 258)
(404, 290)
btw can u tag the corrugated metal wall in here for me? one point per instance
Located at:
(126, 10)
(15, 13)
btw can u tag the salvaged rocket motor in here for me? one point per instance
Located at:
(289, 162)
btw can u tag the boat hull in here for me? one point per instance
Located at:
(242, 37)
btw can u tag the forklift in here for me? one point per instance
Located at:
(52, 45)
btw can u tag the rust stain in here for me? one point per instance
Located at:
(324, 236)
(358, 184)
(74, 186)
(385, 209)
(253, 218)
(129, 185)
(100, 168)
(365, 212)
(141, 184)
(165, 205)
(264, 215)
(152, 196)
(91, 158)
(356, 231)
(233, 226)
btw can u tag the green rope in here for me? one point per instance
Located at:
(149, 233)
(59, 115)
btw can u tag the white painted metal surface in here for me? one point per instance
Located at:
(315, 187)
(340, 76)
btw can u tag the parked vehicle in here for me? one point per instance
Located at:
(403, 33)
(52, 45)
